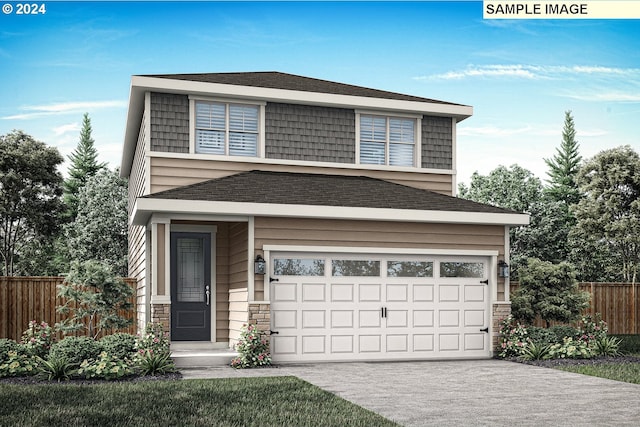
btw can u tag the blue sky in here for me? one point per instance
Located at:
(520, 76)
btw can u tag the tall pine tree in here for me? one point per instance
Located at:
(564, 165)
(84, 164)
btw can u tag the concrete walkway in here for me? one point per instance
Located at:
(466, 393)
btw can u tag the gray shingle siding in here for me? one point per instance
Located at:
(437, 142)
(169, 123)
(297, 132)
(311, 133)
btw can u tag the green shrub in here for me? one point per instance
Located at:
(150, 363)
(606, 346)
(105, 367)
(38, 338)
(571, 349)
(7, 345)
(536, 351)
(56, 368)
(253, 348)
(564, 331)
(120, 345)
(630, 344)
(18, 364)
(155, 339)
(153, 354)
(513, 337)
(541, 336)
(592, 328)
(76, 349)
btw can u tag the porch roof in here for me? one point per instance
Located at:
(317, 195)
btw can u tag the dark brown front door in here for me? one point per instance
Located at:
(191, 289)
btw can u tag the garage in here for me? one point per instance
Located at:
(389, 306)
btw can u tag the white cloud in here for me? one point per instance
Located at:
(71, 127)
(527, 71)
(36, 111)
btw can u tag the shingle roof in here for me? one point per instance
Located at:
(321, 190)
(278, 80)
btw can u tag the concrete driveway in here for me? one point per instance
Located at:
(466, 393)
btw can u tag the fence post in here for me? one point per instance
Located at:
(634, 307)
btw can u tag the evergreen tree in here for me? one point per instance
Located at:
(84, 164)
(564, 166)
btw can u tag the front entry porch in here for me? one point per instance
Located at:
(199, 282)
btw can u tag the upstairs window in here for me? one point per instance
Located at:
(226, 129)
(387, 141)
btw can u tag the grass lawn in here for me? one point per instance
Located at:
(627, 372)
(275, 401)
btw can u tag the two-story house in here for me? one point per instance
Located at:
(323, 212)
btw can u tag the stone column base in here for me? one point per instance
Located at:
(260, 315)
(160, 313)
(501, 310)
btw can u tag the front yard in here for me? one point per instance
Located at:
(273, 401)
(626, 372)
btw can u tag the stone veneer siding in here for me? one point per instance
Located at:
(160, 314)
(500, 310)
(260, 315)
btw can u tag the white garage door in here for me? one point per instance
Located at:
(369, 307)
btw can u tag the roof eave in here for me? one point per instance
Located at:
(132, 130)
(145, 207)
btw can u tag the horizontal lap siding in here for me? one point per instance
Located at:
(378, 234)
(222, 282)
(167, 173)
(238, 277)
(137, 234)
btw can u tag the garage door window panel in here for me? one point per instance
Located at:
(355, 268)
(462, 269)
(298, 267)
(409, 269)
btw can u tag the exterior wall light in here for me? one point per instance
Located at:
(260, 265)
(503, 269)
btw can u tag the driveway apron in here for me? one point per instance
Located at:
(467, 393)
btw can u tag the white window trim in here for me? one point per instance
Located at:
(417, 153)
(260, 148)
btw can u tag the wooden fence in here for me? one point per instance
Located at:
(23, 299)
(617, 303)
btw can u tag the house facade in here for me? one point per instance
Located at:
(322, 212)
